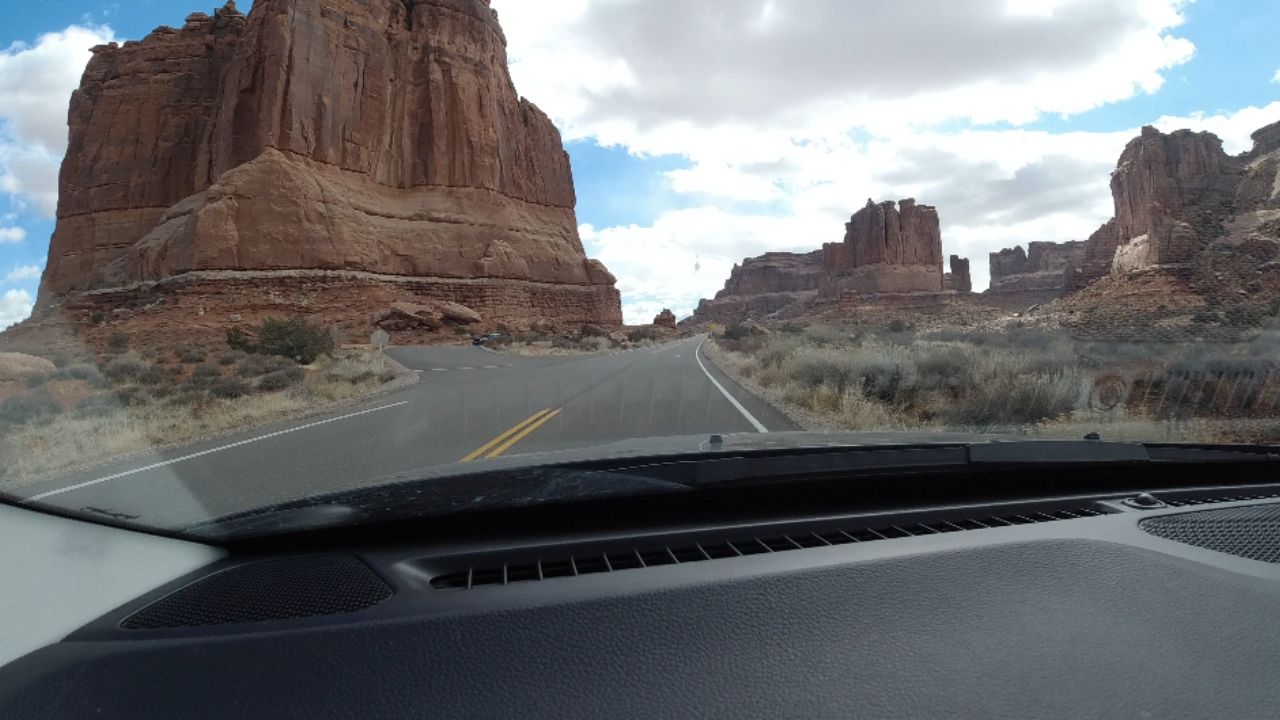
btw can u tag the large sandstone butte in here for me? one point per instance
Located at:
(764, 285)
(1196, 235)
(380, 140)
(1172, 193)
(888, 248)
(891, 257)
(1176, 194)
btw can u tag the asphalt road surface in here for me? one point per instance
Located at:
(470, 406)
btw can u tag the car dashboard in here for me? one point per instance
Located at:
(1147, 603)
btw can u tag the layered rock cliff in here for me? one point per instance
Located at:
(888, 248)
(1043, 269)
(1172, 193)
(1176, 194)
(372, 136)
(959, 278)
(763, 285)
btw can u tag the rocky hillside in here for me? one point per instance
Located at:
(891, 250)
(1195, 241)
(315, 140)
(763, 285)
(1037, 275)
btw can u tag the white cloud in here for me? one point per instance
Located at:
(697, 248)
(804, 110)
(12, 235)
(1234, 128)
(25, 272)
(36, 82)
(1276, 78)
(15, 306)
(635, 71)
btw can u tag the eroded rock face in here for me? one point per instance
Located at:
(378, 136)
(774, 272)
(762, 285)
(1172, 193)
(958, 279)
(1043, 269)
(1097, 258)
(666, 319)
(888, 248)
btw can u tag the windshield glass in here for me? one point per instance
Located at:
(258, 255)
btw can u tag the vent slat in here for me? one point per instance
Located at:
(503, 573)
(1188, 502)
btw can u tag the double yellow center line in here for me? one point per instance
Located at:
(506, 440)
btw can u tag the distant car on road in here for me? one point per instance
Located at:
(487, 338)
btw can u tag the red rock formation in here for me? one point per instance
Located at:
(666, 319)
(1194, 229)
(1040, 274)
(959, 278)
(888, 248)
(380, 136)
(1099, 255)
(774, 272)
(763, 285)
(1171, 193)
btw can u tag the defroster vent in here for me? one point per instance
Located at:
(504, 571)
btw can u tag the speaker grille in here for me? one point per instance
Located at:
(1251, 532)
(268, 590)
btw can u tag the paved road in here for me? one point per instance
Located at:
(470, 406)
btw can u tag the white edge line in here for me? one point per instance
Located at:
(759, 426)
(210, 451)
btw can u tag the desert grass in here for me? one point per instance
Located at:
(1029, 382)
(131, 418)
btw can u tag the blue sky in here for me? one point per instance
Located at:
(704, 131)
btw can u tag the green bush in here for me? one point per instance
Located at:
(294, 338)
(822, 335)
(739, 331)
(253, 366)
(129, 368)
(29, 408)
(643, 333)
(81, 371)
(238, 339)
(118, 342)
(103, 405)
(946, 369)
(229, 388)
(281, 379)
(1014, 399)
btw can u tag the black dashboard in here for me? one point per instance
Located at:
(1153, 603)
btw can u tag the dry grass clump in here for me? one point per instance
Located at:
(1022, 380)
(147, 407)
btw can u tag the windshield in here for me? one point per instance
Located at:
(259, 255)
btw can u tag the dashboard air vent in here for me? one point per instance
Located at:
(494, 571)
(1185, 502)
